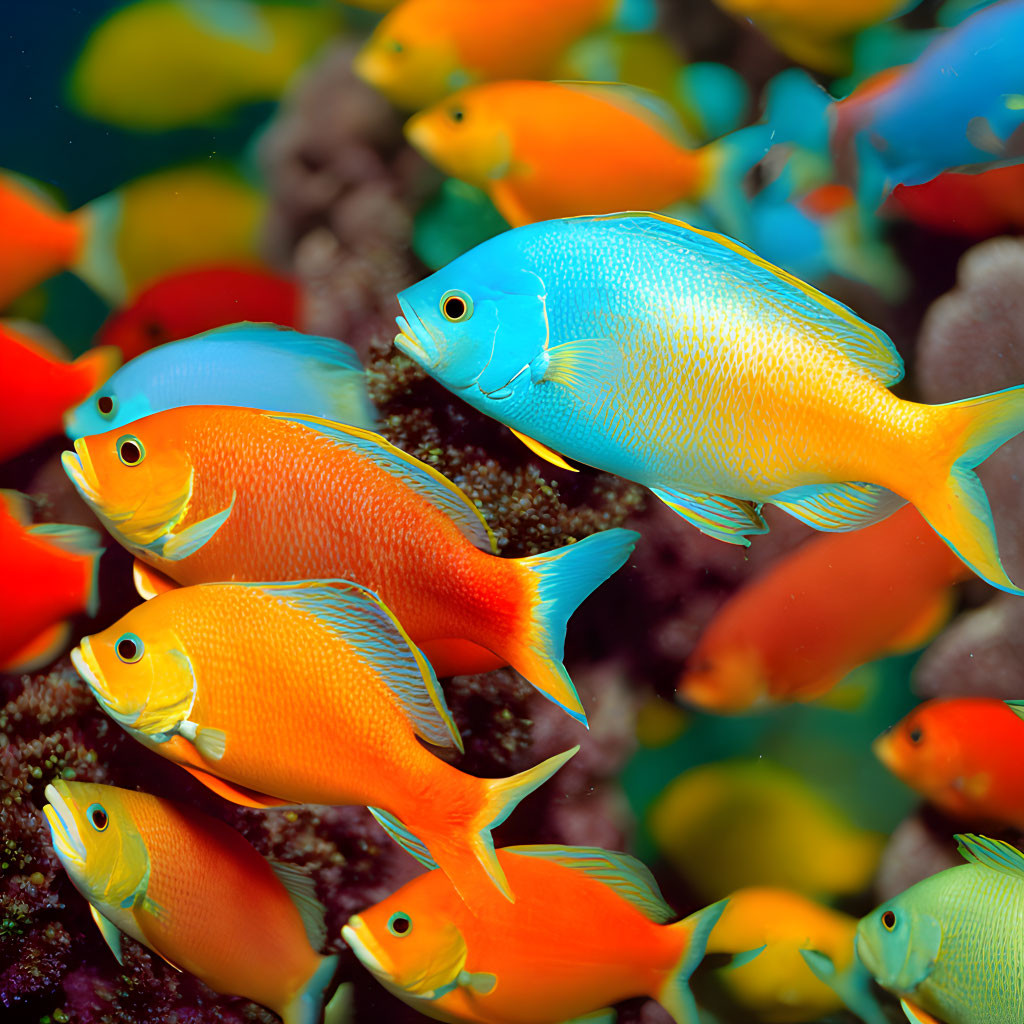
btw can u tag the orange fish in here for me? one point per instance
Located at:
(425, 49)
(589, 929)
(319, 699)
(208, 493)
(963, 755)
(196, 893)
(40, 387)
(837, 602)
(49, 575)
(532, 147)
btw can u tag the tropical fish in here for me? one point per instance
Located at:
(529, 144)
(425, 49)
(39, 386)
(251, 365)
(155, 65)
(589, 928)
(950, 947)
(188, 492)
(819, 612)
(195, 892)
(194, 300)
(961, 754)
(777, 985)
(732, 824)
(49, 575)
(336, 678)
(712, 377)
(139, 232)
(819, 36)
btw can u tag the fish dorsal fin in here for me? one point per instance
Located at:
(830, 322)
(303, 894)
(364, 621)
(426, 481)
(992, 853)
(626, 875)
(312, 346)
(640, 103)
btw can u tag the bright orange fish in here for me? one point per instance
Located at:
(963, 755)
(195, 892)
(49, 575)
(425, 49)
(39, 387)
(207, 493)
(836, 602)
(589, 929)
(532, 147)
(319, 699)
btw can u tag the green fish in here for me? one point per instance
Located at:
(952, 946)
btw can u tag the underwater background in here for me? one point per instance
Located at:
(306, 176)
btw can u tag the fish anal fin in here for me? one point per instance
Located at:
(925, 625)
(544, 452)
(412, 845)
(110, 932)
(236, 794)
(836, 508)
(916, 1015)
(302, 891)
(726, 519)
(148, 582)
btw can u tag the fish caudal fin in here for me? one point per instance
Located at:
(307, 1006)
(852, 985)
(557, 583)
(959, 511)
(675, 994)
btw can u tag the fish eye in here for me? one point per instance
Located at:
(129, 648)
(457, 114)
(97, 816)
(456, 306)
(395, 46)
(399, 924)
(888, 920)
(130, 450)
(915, 735)
(105, 404)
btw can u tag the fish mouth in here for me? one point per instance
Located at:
(358, 938)
(79, 468)
(67, 840)
(86, 666)
(414, 339)
(882, 748)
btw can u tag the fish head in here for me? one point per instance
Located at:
(465, 135)
(726, 680)
(923, 749)
(480, 324)
(899, 943)
(97, 841)
(137, 478)
(408, 945)
(139, 670)
(116, 403)
(411, 58)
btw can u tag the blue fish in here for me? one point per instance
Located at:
(255, 366)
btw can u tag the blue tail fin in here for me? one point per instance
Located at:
(675, 994)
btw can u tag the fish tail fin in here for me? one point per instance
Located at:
(557, 583)
(958, 510)
(307, 1006)
(852, 985)
(694, 931)
(98, 364)
(96, 261)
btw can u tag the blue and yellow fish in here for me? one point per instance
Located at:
(682, 360)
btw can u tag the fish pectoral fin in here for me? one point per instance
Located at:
(727, 519)
(110, 932)
(916, 1015)
(302, 891)
(234, 793)
(176, 546)
(588, 367)
(479, 982)
(744, 958)
(148, 582)
(544, 452)
(211, 743)
(835, 508)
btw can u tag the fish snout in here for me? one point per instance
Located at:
(78, 467)
(366, 948)
(884, 748)
(67, 840)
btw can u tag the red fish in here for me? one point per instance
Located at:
(49, 574)
(963, 755)
(197, 300)
(39, 387)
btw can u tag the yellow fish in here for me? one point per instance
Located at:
(732, 824)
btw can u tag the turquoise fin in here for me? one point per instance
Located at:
(675, 995)
(836, 508)
(110, 932)
(606, 1016)
(727, 519)
(1016, 706)
(307, 1006)
(627, 876)
(302, 891)
(418, 476)
(744, 958)
(916, 1015)
(412, 845)
(991, 853)
(360, 617)
(852, 985)
(79, 540)
(176, 546)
